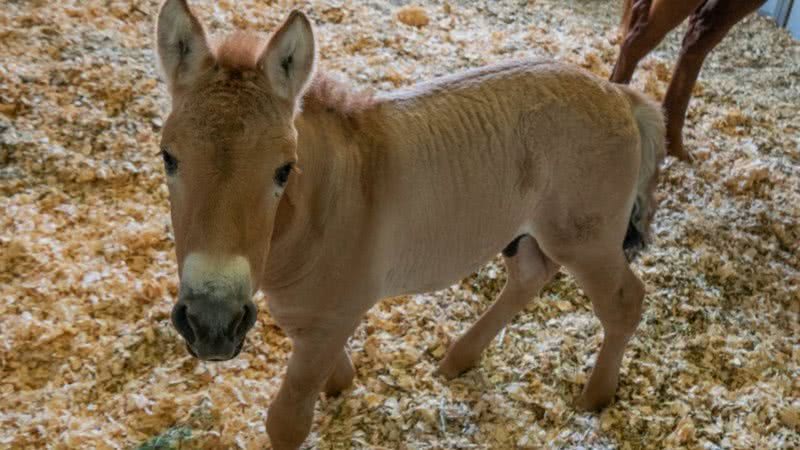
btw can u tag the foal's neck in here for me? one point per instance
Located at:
(351, 150)
(338, 134)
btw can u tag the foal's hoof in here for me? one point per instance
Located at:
(338, 384)
(336, 390)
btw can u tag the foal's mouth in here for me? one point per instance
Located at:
(235, 353)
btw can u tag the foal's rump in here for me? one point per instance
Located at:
(531, 147)
(604, 173)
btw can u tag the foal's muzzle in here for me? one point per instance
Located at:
(214, 329)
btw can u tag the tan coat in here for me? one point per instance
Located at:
(395, 194)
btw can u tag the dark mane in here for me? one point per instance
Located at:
(240, 51)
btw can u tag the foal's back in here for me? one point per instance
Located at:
(479, 153)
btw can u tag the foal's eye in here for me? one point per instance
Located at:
(282, 174)
(170, 163)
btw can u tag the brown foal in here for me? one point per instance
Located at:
(400, 193)
(644, 25)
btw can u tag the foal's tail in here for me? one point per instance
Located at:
(652, 132)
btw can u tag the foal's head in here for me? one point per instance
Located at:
(229, 146)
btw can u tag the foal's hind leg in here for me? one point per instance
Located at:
(616, 295)
(528, 270)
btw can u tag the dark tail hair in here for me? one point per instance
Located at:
(652, 133)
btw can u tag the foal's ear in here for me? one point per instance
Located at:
(181, 44)
(289, 58)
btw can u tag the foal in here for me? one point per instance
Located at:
(644, 25)
(401, 193)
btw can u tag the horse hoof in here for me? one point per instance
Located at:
(335, 391)
(593, 403)
(679, 151)
(336, 385)
(451, 368)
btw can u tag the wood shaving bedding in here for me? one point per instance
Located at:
(88, 358)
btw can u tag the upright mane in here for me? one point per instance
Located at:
(240, 51)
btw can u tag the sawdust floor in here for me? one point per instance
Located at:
(88, 358)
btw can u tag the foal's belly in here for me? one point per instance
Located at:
(446, 245)
(419, 279)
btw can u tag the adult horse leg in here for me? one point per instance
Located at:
(644, 27)
(528, 270)
(708, 25)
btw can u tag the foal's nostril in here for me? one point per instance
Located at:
(247, 320)
(236, 323)
(181, 321)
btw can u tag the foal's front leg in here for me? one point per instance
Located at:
(342, 376)
(316, 354)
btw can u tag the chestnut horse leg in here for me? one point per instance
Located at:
(528, 270)
(644, 26)
(708, 25)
